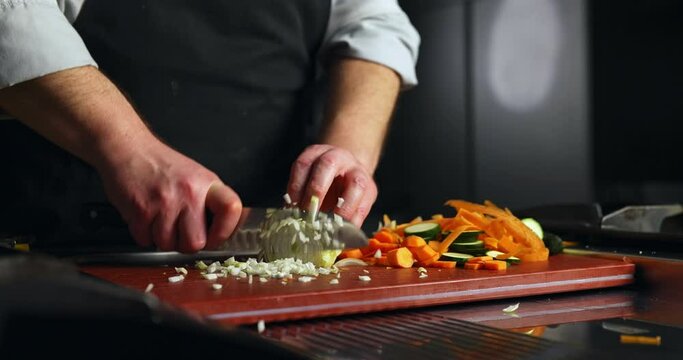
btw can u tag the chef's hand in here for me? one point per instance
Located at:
(330, 172)
(163, 195)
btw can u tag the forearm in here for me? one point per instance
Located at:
(359, 108)
(81, 111)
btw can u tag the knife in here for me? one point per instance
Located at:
(244, 242)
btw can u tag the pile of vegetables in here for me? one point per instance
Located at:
(479, 236)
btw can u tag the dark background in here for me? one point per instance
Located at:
(543, 102)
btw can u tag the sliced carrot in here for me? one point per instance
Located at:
(495, 265)
(434, 244)
(479, 258)
(401, 257)
(452, 236)
(424, 252)
(428, 262)
(376, 244)
(540, 255)
(367, 251)
(354, 253)
(386, 236)
(382, 261)
(507, 245)
(443, 264)
(473, 266)
(490, 243)
(414, 241)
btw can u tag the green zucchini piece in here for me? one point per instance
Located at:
(425, 230)
(494, 254)
(534, 226)
(460, 258)
(553, 243)
(468, 247)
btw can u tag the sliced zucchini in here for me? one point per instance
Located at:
(494, 253)
(468, 236)
(553, 243)
(510, 260)
(460, 258)
(468, 247)
(534, 226)
(425, 230)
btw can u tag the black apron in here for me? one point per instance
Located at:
(230, 83)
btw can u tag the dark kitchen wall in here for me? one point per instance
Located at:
(637, 49)
(501, 111)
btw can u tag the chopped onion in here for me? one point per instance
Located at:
(305, 279)
(378, 254)
(422, 275)
(334, 282)
(216, 286)
(177, 278)
(340, 202)
(181, 270)
(210, 276)
(350, 262)
(511, 308)
(421, 270)
(149, 288)
(261, 326)
(364, 278)
(262, 280)
(287, 198)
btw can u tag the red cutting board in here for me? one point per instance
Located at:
(240, 302)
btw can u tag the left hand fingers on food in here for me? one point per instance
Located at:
(355, 183)
(301, 170)
(365, 204)
(327, 167)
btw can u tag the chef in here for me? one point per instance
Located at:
(175, 108)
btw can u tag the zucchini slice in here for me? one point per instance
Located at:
(425, 230)
(510, 260)
(460, 258)
(534, 226)
(467, 247)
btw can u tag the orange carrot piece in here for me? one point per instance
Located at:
(507, 245)
(424, 253)
(376, 244)
(473, 266)
(353, 253)
(414, 241)
(491, 243)
(440, 264)
(495, 265)
(401, 257)
(479, 258)
(452, 236)
(434, 244)
(430, 261)
(540, 255)
(386, 236)
(382, 261)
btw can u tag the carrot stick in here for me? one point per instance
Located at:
(479, 259)
(473, 266)
(401, 257)
(353, 253)
(386, 237)
(376, 244)
(424, 253)
(443, 264)
(414, 241)
(434, 244)
(452, 236)
(495, 265)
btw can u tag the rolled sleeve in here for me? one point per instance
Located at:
(36, 39)
(374, 30)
